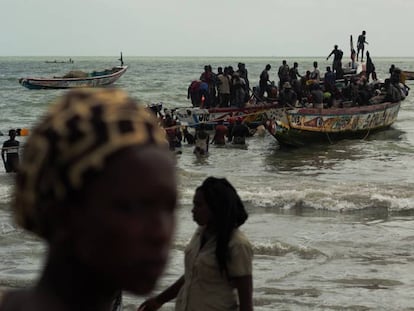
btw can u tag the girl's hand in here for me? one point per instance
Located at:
(150, 305)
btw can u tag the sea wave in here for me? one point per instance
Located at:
(332, 197)
(277, 248)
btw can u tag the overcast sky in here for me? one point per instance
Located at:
(203, 28)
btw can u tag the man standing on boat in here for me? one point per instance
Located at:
(337, 61)
(294, 72)
(10, 153)
(370, 68)
(315, 74)
(283, 74)
(361, 45)
(223, 87)
(264, 78)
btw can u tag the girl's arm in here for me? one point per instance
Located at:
(156, 302)
(244, 286)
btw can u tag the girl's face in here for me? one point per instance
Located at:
(126, 226)
(201, 212)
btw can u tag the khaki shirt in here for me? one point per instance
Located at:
(204, 287)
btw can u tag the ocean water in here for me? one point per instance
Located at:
(331, 225)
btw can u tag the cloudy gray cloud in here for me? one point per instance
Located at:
(202, 28)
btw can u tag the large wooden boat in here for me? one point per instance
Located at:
(252, 115)
(76, 79)
(303, 126)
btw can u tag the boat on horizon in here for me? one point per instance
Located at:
(70, 61)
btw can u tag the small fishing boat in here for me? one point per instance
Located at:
(253, 114)
(303, 126)
(70, 61)
(76, 79)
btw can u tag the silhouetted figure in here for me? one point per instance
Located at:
(329, 80)
(264, 78)
(287, 96)
(337, 61)
(188, 137)
(202, 139)
(283, 73)
(121, 60)
(361, 45)
(194, 93)
(294, 73)
(239, 133)
(10, 153)
(220, 134)
(370, 68)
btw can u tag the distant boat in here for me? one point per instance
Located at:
(76, 79)
(409, 75)
(70, 61)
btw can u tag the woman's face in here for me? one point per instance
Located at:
(126, 226)
(201, 212)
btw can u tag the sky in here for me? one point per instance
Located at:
(209, 28)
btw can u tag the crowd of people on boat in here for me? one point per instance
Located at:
(337, 86)
(227, 87)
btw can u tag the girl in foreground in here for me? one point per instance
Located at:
(89, 184)
(218, 259)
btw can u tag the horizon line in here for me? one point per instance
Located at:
(192, 56)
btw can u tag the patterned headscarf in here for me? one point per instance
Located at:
(71, 143)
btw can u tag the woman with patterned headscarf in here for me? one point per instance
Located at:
(89, 184)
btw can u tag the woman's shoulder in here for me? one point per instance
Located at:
(241, 254)
(239, 238)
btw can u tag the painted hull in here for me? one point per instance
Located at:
(65, 83)
(252, 115)
(304, 126)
